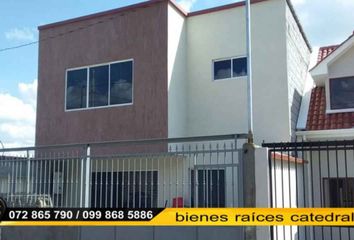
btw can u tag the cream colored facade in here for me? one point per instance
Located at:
(198, 105)
(343, 66)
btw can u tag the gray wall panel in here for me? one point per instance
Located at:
(95, 233)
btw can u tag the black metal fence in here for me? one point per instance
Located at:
(312, 175)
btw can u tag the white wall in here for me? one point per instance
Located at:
(200, 106)
(177, 77)
(287, 183)
(221, 107)
(322, 165)
(262, 187)
(343, 66)
(215, 107)
(298, 60)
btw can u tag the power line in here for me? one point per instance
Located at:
(66, 33)
(18, 46)
(60, 34)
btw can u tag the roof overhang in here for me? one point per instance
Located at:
(287, 158)
(327, 134)
(128, 8)
(173, 3)
(178, 8)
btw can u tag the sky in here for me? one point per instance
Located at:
(18, 25)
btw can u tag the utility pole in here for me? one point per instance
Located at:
(249, 71)
(249, 157)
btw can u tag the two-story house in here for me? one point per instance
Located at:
(151, 70)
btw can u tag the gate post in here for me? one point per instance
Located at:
(249, 175)
(87, 177)
(263, 188)
(255, 186)
(249, 184)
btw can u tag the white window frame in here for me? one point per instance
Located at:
(88, 86)
(232, 68)
(329, 109)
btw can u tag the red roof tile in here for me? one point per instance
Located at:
(287, 158)
(317, 118)
(325, 51)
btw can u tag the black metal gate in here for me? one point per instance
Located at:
(312, 175)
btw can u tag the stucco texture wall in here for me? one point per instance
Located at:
(177, 73)
(343, 66)
(119, 36)
(298, 60)
(220, 107)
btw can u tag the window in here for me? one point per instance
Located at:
(208, 187)
(98, 94)
(76, 89)
(222, 69)
(239, 67)
(338, 192)
(100, 86)
(130, 189)
(230, 68)
(121, 82)
(342, 93)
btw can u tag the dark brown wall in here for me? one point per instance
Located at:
(140, 34)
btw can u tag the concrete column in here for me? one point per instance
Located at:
(87, 176)
(262, 188)
(255, 186)
(249, 185)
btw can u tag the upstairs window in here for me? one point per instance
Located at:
(121, 82)
(100, 86)
(342, 93)
(76, 89)
(98, 94)
(230, 68)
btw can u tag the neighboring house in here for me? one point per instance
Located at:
(151, 70)
(330, 116)
(330, 104)
(327, 115)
